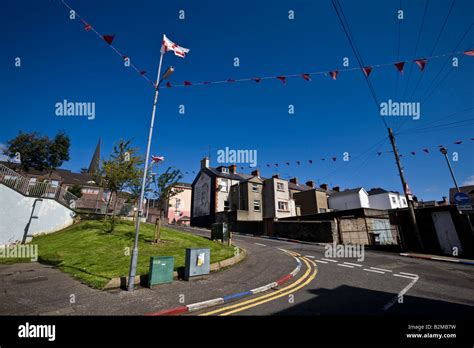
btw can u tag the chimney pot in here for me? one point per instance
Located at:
(276, 176)
(336, 188)
(294, 181)
(205, 163)
(310, 183)
(324, 187)
(233, 168)
(256, 172)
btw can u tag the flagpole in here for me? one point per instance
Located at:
(133, 263)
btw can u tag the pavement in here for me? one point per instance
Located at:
(382, 284)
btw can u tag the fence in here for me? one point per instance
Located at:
(25, 186)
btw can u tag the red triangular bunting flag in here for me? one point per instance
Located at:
(413, 153)
(287, 163)
(458, 142)
(401, 156)
(187, 83)
(108, 38)
(230, 80)
(307, 77)
(400, 66)
(379, 153)
(268, 165)
(334, 74)
(206, 82)
(87, 27)
(282, 79)
(426, 150)
(276, 164)
(143, 72)
(421, 63)
(298, 162)
(334, 159)
(310, 161)
(168, 84)
(469, 53)
(323, 159)
(257, 79)
(124, 57)
(367, 70)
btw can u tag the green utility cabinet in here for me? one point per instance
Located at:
(161, 270)
(220, 231)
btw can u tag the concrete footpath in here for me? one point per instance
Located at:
(36, 289)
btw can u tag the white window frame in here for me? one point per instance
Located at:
(283, 207)
(282, 185)
(256, 205)
(254, 188)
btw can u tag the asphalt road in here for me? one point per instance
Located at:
(324, 286)
(382, 284)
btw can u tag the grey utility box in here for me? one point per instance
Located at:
(220, 231)
(197, 262)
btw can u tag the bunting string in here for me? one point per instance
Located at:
(334, 74)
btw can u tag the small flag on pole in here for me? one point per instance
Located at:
(157, 159)
(168, 45)
(400, 66)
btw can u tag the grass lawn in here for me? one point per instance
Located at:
(88, 252)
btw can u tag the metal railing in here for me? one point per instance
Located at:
(27, 187)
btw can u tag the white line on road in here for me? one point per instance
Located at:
(328, 260)
(411, 274)
(352, 264)
(342, 265)
(404, 276)
(319, 261)
(260, 244)
(381, 269)
(371, 270)
(403, 292)
(309, 256)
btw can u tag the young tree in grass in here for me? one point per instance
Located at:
(120, 170)
(164, 190)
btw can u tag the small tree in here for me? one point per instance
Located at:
(76, 190)
(120, 170)
(164, 190)
(32, 149)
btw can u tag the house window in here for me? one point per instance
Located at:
(223, 185)
(225, 170)
(90, 191)
(54, 183)
(256, 205)
(282, 205)
(254, 188)
(394, 199)
(178, 203)
(226, 205)
(280, 186)
(404, 202)
(322, 210)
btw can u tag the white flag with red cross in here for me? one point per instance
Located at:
(168, 45)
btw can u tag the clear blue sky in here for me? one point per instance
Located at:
(62, 61)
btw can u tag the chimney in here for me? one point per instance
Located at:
(205, 163)
(324, 187)
(256, 172)
(276, 176)
(336, 188)
(310, 183)
(445, 200)
(233, 168)
(294, 181)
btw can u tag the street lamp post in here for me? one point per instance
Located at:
(445, 153)
(133, 262)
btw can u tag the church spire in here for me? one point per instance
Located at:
(94, 165)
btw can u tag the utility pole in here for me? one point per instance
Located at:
(445, 153)
(411, 210)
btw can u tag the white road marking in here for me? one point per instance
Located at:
(403, 292)
(309, 256)
(328, 260)
(260, 244)
(404, 276)
(342, 265)
(371, 270)
(319, 261)
(381, 269)
(352, 264)
(410, 274)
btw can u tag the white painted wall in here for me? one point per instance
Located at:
(16, 210)
(385, 201)
(223, 194)
(349, 201)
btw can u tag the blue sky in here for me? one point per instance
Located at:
(60, 60)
